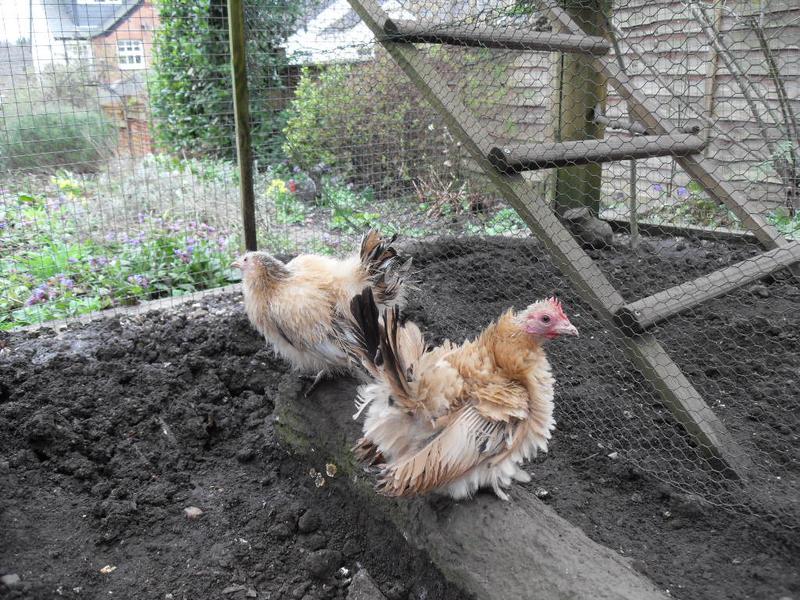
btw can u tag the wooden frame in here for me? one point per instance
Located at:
(645, 111)
(481, 36)
(677, 392)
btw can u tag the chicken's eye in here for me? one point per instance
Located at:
(245, 259)
(545, 318)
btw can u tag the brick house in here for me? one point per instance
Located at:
(113, 41)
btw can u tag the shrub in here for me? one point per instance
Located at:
(190, 88)
(54, 138)
(369, 124)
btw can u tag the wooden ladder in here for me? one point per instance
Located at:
(628, 322)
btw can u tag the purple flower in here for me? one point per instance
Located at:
(139, 280)
(3, 224)
(296, 170)
(72, 260)
(66, 282)
(135, 241)
(98, 262)
(682, 192)
(658, 187)
(40, 294)
(57, 202)
(140, 217)
(184, 255)
(111, 236)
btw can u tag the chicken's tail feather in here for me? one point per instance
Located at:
(397, 353)
(386, 268)
(387, 350)
(368, 331)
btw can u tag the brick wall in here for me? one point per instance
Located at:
(140, 25)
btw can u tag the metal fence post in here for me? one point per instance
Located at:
(241, 111)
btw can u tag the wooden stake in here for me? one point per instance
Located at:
(581, 88)
(241, 112)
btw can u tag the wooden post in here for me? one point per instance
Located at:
(241, 112)
(580, 88)
(712, 66)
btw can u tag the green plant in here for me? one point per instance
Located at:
(57, 138)
(690, 205)
(47, 271)
(788, 223)
(505, 222)
(288, 209)
(348, 209)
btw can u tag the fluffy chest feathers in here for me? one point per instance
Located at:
(504, 373)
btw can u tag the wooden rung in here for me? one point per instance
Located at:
(581, 152)
(638, 316)
(485, 36)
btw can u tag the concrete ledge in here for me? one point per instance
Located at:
(491, 549)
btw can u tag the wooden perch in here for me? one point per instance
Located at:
(580, 152)
(485, 36)
(491, 549)
(637, 316)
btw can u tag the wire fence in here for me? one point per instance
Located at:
(120, 185)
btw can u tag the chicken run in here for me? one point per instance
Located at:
(507, 304)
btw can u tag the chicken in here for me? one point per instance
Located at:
(455, 418)
(303, 307)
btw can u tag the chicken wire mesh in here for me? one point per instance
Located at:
(121, 185)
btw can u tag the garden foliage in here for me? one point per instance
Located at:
(191, 91)
(55, 138)
(369, 124)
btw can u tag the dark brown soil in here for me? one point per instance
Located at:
(108, 431)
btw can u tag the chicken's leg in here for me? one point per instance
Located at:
(320, 377)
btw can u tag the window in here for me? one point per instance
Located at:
(78, 51)
(130, 54)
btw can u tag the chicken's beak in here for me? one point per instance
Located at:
(236, 264)
(567, 329)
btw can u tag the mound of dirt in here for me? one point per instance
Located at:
(139, 461)
(138, 457)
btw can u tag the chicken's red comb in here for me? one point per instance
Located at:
(556, 304)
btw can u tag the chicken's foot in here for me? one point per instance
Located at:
(320, 377)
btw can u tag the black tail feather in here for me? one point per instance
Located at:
(378, 349)
(386, 268)
(393, 367)
(365, 315)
